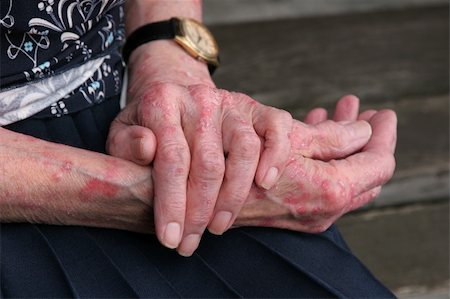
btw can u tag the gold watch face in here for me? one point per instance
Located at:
(197, 39)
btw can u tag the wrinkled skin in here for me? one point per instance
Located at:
(319, 192)
(334, 167)
(194, 126)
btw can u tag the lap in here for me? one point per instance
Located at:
(52, 261)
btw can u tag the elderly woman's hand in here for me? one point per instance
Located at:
(311, 187)
(209, 148)
(317, 190)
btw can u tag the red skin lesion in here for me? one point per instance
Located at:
(56, 177)
(65, 168)
(290, 199)
(98, 187)
(260, 194)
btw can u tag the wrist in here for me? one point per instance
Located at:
(166, 61)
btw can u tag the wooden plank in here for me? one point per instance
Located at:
(233, 11)
(306, 62)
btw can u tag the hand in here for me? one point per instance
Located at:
(196, 126)
(319, 192)
(323, 141)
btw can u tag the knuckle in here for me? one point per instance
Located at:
(282, 116)
(248, 144)
(199, 219)
(160, 89)
(211, 165)
(174, 153)
(159, 99)
(172, 207)
(243, 98)
(236, 199)
(199, 89)
(154, 95)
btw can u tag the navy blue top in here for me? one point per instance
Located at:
(42, 38)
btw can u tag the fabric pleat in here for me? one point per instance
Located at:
(59, 262)
(91, 272)
(28, 266)
(324, 257)
(43, 261)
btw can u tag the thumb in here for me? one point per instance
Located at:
(330, 140)
(133, 143)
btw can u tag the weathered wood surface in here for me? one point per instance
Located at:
(233, 11)
(393, 59)
(305, 62)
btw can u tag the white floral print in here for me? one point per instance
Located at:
(61, 52)
(23, 102)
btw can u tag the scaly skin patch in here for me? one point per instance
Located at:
(95, 187)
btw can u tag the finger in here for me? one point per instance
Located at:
(375, 164)
(367, 115)
(316, 116)
(171, 168)
(243, 148)
(275, 127)
(347, 109)
(206, 171)
(171, 165)
(330, 140)
(384, 137)
(133, 143)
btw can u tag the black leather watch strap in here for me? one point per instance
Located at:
(147, 33)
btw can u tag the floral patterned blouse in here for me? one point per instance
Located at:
(58, 56)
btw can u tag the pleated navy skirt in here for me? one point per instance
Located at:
(59, 262)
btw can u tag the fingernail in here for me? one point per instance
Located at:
(172, 235)
(220, 223)
(270, 179)
(360, 129)
(188, 245)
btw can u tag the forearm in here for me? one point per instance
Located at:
(163, 60)
(45, 182)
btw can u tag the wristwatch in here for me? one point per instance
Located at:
(191, 35)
